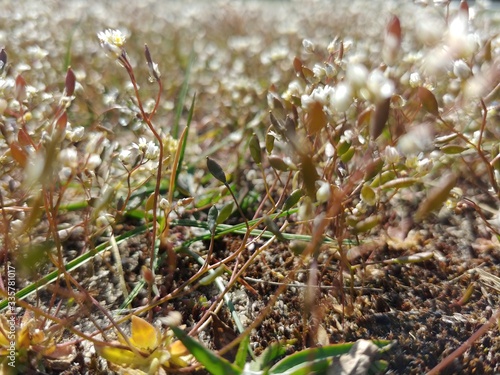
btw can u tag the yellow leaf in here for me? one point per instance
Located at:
(177, 348)
(4, 329)
(144, 335)
(121, 357)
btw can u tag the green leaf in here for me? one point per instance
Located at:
(269, 142)
(453, 149)
(342, 147)
(207, 280)
(345, 157)
(293, 199)
(368, 195)
(302, 359)
(271, 353)
(216, 170)
(273, 228)
(225, 212)
(213, 363)
(382, 178)
(255, 150)
(242, 354)
(315, 360)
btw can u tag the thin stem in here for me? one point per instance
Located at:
(147, 119)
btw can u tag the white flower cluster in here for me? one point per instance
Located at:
(112, 41)
(150, 150)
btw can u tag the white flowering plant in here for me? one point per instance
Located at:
(337, 155)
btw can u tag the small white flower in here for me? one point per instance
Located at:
(141, 145)
(104, 220)
(308, 46)
(306, 210)
(461, 70)
(76, 134)
(411, 161)
(112, 41)
(94, 161)
(64, 174)
(154, 71)
(323, 193)
(357, 74)
(329, 150)
(125, 156)
(391, 155)
(152, 151)
(294, 90)
(69, 157)
(319, 71)
(415, 79)
(379, 85)
(320, 95)
(164, 204)
(347, 136)
(330, 70)
(424, 166)
(341, 99)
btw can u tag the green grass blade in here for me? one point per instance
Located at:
(241, 355)
(182, 98)
(297, 361)
(302, 358)
(213, 363)
(270, 354)
(67, 55)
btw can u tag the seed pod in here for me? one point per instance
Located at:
(225, 212)
(379, 118)
(269, 142)
(70, 82)
(3, 59)
(367, 224)
(273, 228)
(213, 213)
(255, 151)
(428, 100)
(216, 170)
(436, 197)
(278, 163)
(293, 199)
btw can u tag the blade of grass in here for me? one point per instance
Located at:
(212, 362)
(182, 97)
(296, 361)
(67, 55)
